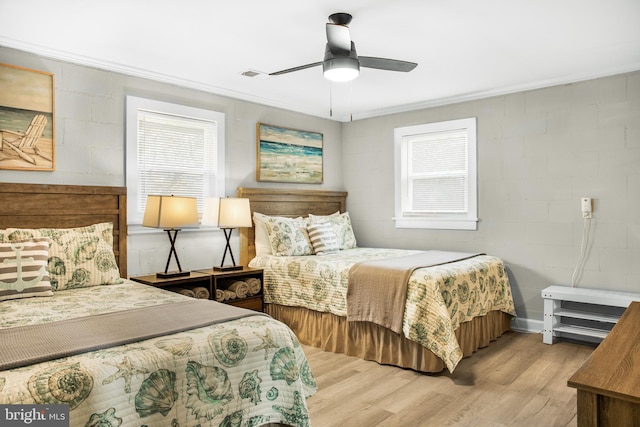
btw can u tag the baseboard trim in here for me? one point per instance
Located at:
(520, 324)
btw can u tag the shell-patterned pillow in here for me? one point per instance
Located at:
(288, 236)
(78, 257)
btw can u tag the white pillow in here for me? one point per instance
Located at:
(263, 246)
(341, 223)
(323, 238)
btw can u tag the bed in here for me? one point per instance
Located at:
(229, 367)
(451, 309)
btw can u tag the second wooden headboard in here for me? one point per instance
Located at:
(66, 206)
(285, 202)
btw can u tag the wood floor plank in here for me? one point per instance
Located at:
(517, 381)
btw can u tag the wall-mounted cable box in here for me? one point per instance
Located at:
(582, 314)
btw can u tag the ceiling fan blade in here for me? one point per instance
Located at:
(338, 38)
(386, 64)
(291, 70)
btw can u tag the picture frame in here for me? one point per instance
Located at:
(27, 119)
(288, 155)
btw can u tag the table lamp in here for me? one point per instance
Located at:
(227, 213)
(170, 213)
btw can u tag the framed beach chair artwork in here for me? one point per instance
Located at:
(27, 134)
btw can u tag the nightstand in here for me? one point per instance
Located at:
(230, 281)
(194, 280)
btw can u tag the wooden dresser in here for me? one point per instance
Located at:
(608, 383)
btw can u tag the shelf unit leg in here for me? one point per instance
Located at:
(550, 306)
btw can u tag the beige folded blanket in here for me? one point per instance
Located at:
(377, 289)
(26, 345)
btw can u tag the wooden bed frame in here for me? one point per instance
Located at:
(289, 203)
(65, 206)
(332, 333)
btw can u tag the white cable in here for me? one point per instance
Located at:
(577, 271)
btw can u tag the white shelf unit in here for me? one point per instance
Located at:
(582, 314)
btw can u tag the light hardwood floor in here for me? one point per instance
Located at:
(516, 381)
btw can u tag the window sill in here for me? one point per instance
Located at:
(443, 224)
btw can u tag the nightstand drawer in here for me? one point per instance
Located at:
(252, 303)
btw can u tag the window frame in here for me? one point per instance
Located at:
(439, 221)
(133, 105)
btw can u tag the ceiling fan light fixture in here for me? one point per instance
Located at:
(341, 69)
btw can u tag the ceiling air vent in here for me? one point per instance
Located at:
(254, 73)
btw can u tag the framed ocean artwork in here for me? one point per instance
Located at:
(288, 155)
(26, 119)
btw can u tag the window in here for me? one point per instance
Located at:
(435, 175)
(172, 149)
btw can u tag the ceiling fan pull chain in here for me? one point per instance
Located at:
(351, 101)
(330, 99)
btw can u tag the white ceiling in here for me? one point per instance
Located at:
(465, 49)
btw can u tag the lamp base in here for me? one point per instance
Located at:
(172, 274)
(228, 268)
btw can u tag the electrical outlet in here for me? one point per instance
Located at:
(586, 207)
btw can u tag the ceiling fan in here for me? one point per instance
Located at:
(341, 62)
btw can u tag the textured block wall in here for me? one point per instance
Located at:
(538, 153)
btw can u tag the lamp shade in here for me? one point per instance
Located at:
(170, 212)
(210, 211)
(227, 212)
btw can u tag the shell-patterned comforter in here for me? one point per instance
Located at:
(246, 372)
(439, 298)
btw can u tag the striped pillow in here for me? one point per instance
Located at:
(23, 269)
(341, 223)
(323, 238)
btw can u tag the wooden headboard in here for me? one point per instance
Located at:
(289, 203)
(65, 206)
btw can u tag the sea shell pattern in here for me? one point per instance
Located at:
(56, 268)
(157, 394)
(273, 393)
(176, 346)
(79, 278)
(297, 414)
(232, 420)
(306, 375)
(208, 390)
(229, 347)
(174, 380)
(258, 420)
(439, 296)
(105, 261)
(249, 387)
(283, 366)
(85, 250)
(61, 384)
(106, 419)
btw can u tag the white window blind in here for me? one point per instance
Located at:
(435, 175)
(172, 150)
